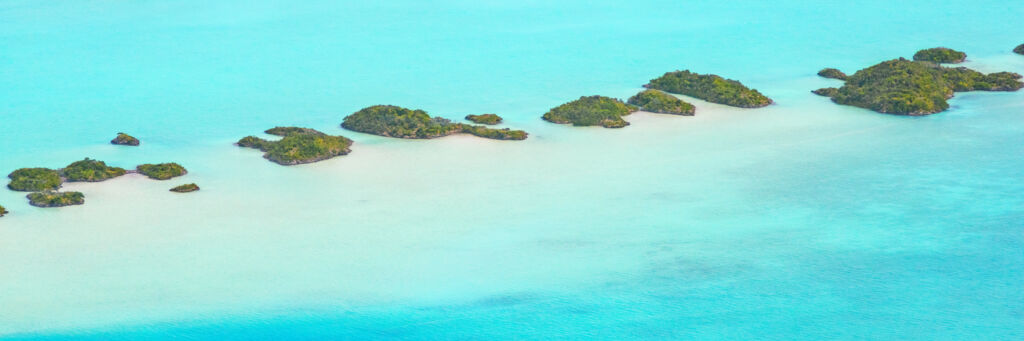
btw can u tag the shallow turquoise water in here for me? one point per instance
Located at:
(803, 220)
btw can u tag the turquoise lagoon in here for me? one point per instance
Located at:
(802, 220)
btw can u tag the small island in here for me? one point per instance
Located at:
(90, 170)
(298, 145)
(125, 140)
(395, 121)
(45, 182)
(491, 133)
(940, 55)
(161, 171)
(832, 73)
(591, 111)
(711, 88)
(827, 92)
(915, 88)
(185, 188)
(34, 180)
(1019, 49)
(3, 211)
(490, 119)
(55, 199)
(659, 102)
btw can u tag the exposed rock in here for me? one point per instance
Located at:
(125, 140)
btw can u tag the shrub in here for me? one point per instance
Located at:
(591, 111)
(394, 121)
(161, 171)
(125, 139)
(185, 188)
(34, 180)
(711, 88)
(660, 102)
(496, 134)
(55, 199)
(484, 119)
(832, 73)
(906, 87)
(90, 170)
(827, 92)
(298, 145)
(940, 55)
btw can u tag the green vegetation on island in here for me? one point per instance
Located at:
(34, 180)
(185, 188)
(90, 170)
(395, 121)
(285, 131)
(827, 92)
(907, 87)
(298, 145)
(711, 88)
(940, 55)
(3, 211)
(55, 199)
(832, 73)
(45, 179)
(659, 102)
(161, 171)
(125, 140)
(1019, 49)
(45, 182)
(484, 119)
(591, 111)
(491, 133)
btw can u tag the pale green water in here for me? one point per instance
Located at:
(803, 220)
